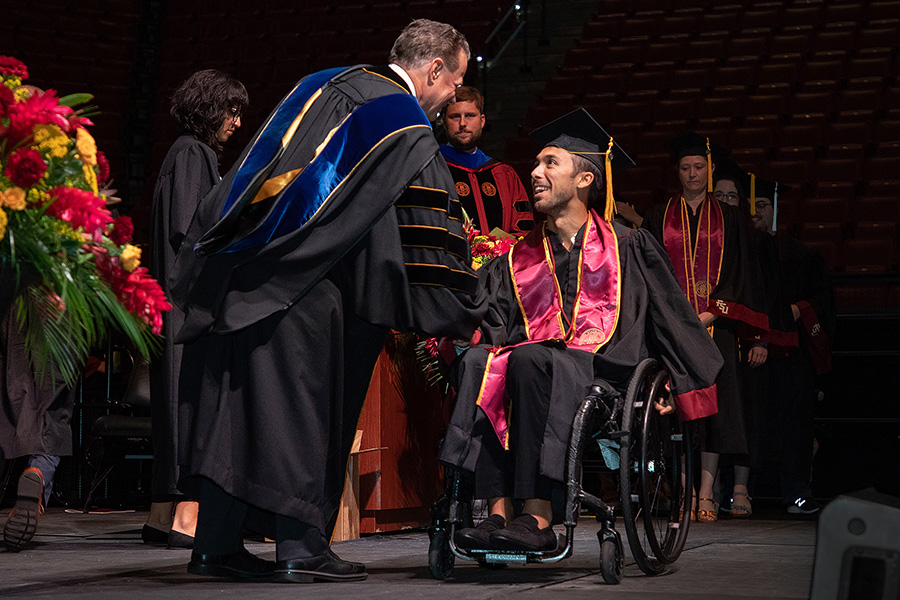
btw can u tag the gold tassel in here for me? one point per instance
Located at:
(709, 169)
(752, 194)
(610, 210)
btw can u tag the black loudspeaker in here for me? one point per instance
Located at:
(858, 549)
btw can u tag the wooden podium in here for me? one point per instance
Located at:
(401, 479)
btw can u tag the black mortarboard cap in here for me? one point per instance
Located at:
(694, 144)
(730, 170)
(766, 188)
(578, 133)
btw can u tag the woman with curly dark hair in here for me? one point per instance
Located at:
(207, 111)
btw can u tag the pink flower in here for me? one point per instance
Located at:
(25, 167)
(37, 109)
(80, 209)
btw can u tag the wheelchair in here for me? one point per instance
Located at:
(654, 462)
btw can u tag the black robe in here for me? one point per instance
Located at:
(740, 283)
(282, 337)
(788, 433)
(654, 319)
(779, 340)
(34, 418)
(189, 171)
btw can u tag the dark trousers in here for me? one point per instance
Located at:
(516, 473)
(223, 517)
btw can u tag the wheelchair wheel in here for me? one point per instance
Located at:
(612, 562)
(652, 460)
(440, 557)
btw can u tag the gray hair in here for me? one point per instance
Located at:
(422, 41)
(597, 191)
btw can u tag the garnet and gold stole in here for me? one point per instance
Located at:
(595, 311)
(697, 266)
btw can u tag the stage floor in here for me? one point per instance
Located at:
(101, 556)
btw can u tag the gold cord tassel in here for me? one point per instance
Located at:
(610, 210)
(752, 194)
(709, 169)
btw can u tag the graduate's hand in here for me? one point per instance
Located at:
(707, 318)
(627, 212)
(476, 337)
(757, 356)
(795, 311)
(665, 405)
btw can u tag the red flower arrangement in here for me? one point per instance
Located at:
(25, 167)
(139, 293)
(122, 231)
(66, 264)
(103, 166)
(13, 67)
(81, 210)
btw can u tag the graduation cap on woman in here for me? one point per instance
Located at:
(578, 133)
(694, 144)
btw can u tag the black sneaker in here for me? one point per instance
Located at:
(479, 538)
(803, 506)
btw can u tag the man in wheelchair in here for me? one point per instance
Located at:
(579, 297)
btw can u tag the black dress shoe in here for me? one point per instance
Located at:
(324, 567)
(240, 565)
(176, 539)
(479, 538)
(524, 534)
(153, 536)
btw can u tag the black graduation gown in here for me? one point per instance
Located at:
(654, 319)
(281, 339)
(34, 418)
(755, 380)
(792, 384)
(739, 283)
(189, 171)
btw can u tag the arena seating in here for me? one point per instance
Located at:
(805, 92)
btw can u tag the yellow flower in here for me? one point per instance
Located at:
(91, 177)
(86, 146)
(131, 257)
(13, 198)
(3, 221)
(36, 196)
(52, 139)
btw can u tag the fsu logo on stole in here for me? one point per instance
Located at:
(462, 189)
(591, 337)
(488, 188)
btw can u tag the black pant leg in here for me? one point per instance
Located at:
(220, 521)
(529, 381)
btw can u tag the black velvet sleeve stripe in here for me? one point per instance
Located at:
(442, 276)
(455, 209)
(422, 197)
(522, 206)
(434, 237)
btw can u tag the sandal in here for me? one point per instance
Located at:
(742, 510)
(708, 516)
(693, 511)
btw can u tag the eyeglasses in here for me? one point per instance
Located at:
(234, 112)
(723, 196)
(761, 204)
